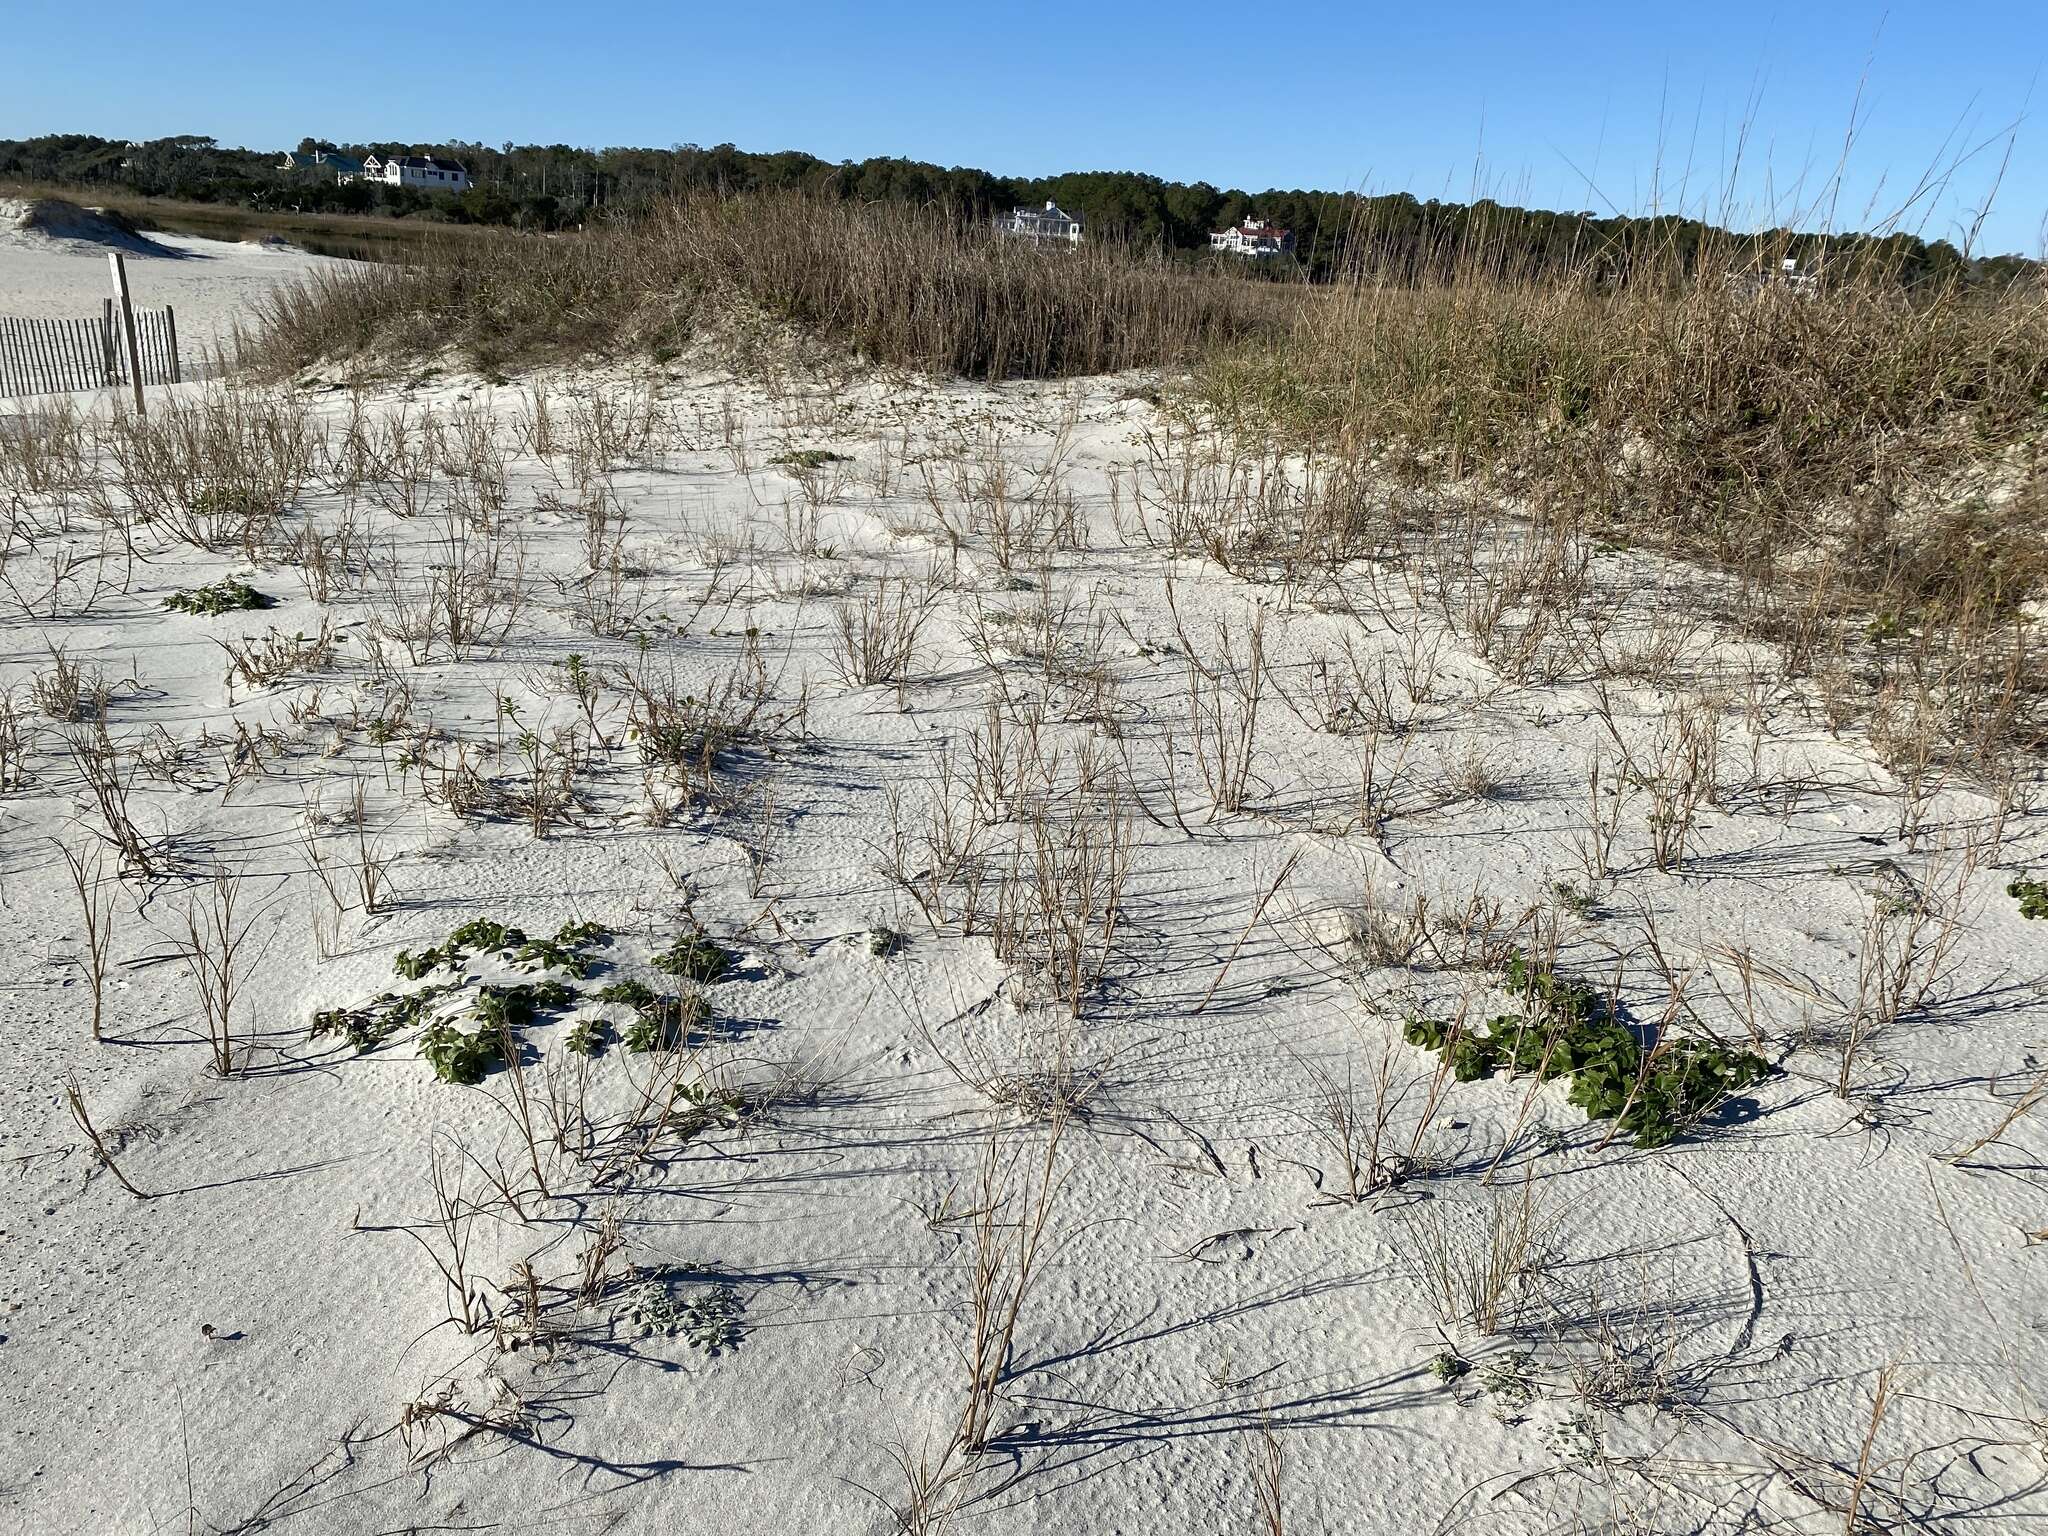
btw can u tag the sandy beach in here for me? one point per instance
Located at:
(211, 285)
(972, 907)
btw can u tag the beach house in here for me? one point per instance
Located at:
(1253, 237)
(426, 173)
(1051, 225)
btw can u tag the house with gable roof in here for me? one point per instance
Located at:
(1255, 238)
(424, 173)
(1052, 225)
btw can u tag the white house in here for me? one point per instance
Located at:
(1802, 284)
(1051, 226)
(428, 173)
(1253, 237)
(1787, 278)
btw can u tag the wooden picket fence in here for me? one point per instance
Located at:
(48, 357)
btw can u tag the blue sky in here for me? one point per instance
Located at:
(1558, 104)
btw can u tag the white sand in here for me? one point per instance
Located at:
(1697, 1353)
(212, 285)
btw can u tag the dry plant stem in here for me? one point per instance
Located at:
(1006, 1258)
(213, 941)
(373, 879)
(932, 1489)
(1468, 1281)
(75, 1101)
(877, 637)
(520, 1109)
(1357, 1135)
(1258, 910)
(1336, 1125)
(99, 763)
(1223, 714)
(1269, 1474)
(566, 1105)
(1880, 1405)
(1550, 1038)
(448, 1247)
(2034, 1094)
(594, 1263)
(1903, 961)
(96, 914)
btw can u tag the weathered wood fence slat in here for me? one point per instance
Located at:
(49, 357)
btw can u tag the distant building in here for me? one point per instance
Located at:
(1786, 279)
(428, 173)
(1253, 237)
(1052, 225)
(323, 163)
(1804, 284)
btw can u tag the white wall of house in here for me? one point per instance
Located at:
(1252, 238)
(1052, 225)
(427, 178)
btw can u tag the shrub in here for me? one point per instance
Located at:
(387, 1014)
(225, 596)
(666, 1022)
(563, 952)
(501, 1008)
(412, 967)
(1653, 1095)
(808, 458)
(358, 1027)
(2032, 895)
(483, 935)
(457, 1057)
(709, 1320)
(694, 957)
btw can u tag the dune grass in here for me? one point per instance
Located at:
(898, 285)
(1862, 460)
(1861, 457)
(356, 236)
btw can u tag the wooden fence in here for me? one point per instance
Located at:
(48, 357)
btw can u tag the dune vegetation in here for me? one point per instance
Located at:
(792, 863)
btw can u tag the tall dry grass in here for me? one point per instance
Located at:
(900, 285)
(1864, 460)
(1716, 418)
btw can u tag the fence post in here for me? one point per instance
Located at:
(120, 270)
(171, 342)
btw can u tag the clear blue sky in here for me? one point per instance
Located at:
(1526, 100)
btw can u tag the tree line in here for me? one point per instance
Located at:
(560, 186)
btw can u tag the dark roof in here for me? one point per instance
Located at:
(322, 160)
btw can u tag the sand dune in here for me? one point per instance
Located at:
(53, 266)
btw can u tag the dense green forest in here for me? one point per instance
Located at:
(555, 186)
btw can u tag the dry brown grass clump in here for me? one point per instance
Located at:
(1712, 417)
(1862, 458)
(907, 286)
